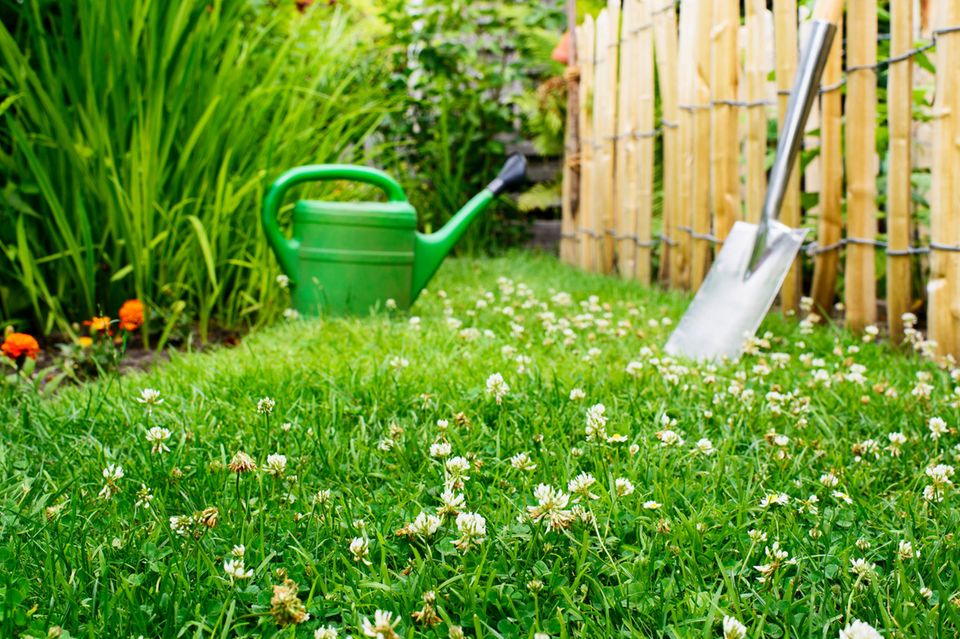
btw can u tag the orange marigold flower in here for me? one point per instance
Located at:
(19, 345)
(131, 315)
(98, 324)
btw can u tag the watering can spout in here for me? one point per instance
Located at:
(431, 249)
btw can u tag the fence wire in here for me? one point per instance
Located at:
(811, 249)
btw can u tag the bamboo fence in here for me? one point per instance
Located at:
(671, 148)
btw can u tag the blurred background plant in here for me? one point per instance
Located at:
(464, 70)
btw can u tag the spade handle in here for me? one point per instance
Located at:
(802, 97)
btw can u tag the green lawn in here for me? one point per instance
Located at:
(719, 470)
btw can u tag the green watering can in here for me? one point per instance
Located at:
(346, 257)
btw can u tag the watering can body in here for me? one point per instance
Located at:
(345, 258)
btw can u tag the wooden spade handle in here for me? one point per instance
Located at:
(829, 10)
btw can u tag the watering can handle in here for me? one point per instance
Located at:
(286, 249)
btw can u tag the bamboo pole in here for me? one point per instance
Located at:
(756, 70)
(665, 45)
(701, 247)
(829, 225)
(943, 288)
(900, 121)
(605, 125)
(627, 171)
(601, 161)
(686, 88)
(724, 116)
(588, 211)
(860, 278)
(785, 34)
(646, 143)
(571, 160)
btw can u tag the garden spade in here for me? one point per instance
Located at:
(755, 258)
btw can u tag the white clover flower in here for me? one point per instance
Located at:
(283, 281)
(276, 465)
(937, 427)
(577, 394)
(157, 438)
(144, 497)
(624, 486)
(897, 440)
(580, 485)
(652, 505)
(397, 363)
(705, 447)
(425, 525)
(940, 475)
(906, 552)
(634, 368)
(457, 468)
(291, 314)
(265, 405)
(776, 557)
(238, 551)
(757, 536)
(669, 438)
(451, 502)
(440, 449)
(473, 531)
(236, 570)
(733, 629)
(551, 507)
(497, 388)
(522, 461)
(382, 627)
(326, 632)
(859, 630)
(111, 474)
(596, 428)
(839, 495)
(829, 480)
(181, 525)
(360, 548)
(862, 568)
(150, 397)
(774, 499)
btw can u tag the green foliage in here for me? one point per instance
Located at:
(462, 67)
(136, 142)
(539, 197)
(351, 418)
(545, 110)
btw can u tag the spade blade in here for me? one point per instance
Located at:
(730, 305)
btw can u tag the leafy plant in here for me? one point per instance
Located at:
(462, 68)
(136, 140)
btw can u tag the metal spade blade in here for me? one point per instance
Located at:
(729, 306)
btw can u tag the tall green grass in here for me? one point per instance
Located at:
(137, 138)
